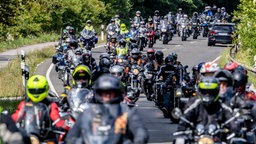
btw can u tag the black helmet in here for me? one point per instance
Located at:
(135, 53)
(209, 90)
(174, 55)
(195, 14)
(224, 75)
(122, 42)
(104, 55)
(104, 63)
(108, 83)
(169, 60)
(88, 21)
(159, 55)
(134, 45)
(240, 79)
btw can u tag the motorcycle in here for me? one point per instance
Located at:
(135, 78)
(87, 39)
(37, 123)
(150, 37)
(142, 39)
(165, 34)
(159, 90)
(205, 27)
(206, 135)
(110, 48)
(195, 30)
(77, 101)
(184, 31)
(132, 97)
(148, 84)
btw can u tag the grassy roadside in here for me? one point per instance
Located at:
(6, 45)
(11, 81)
(242, 57)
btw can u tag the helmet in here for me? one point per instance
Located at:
(71, 30)
(208, 7)
(122, 42)
(113, 38)
(138, 12)
(142, 23)
(123, 26)
(230, 66)
(174, 55)
(67, 27)
(108, 83)
(209, 89)
(159, 55)
(165, 17)
(223, 8)
(104, 63)
(117, 16)
(241, 69)
(88, 21)
(117, 71)
(135, 53)
(104, 55)
(209, 68)
(185, 16)
(150, 19)
(151, 53)
(73, 42)
(195, 14)
(133, 26)
(224, 75)
(78, 51)
(240, 79)
(37, 88)
(112, 20)
(169, 60)
(156, 12)
(180, 9)
(134, 45)
(218, 9)
(170, 13)
(87, 55)
(81, 76)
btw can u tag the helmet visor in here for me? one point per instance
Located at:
(37, 91)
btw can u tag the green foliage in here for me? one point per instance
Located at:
(246, 16)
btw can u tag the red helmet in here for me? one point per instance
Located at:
(230, 66)
(150, 50)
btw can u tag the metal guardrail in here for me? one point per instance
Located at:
(232, 52)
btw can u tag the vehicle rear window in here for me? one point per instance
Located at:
(223, 28)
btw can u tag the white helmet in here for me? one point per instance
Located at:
(117, 71)
(209, 67)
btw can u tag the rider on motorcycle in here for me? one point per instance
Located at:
(138, 16)
(104, 65)
(88, 60)
(10, 134)
(107, 121)
(89, 28)
(69, 33)
(209, 68)
(37, 89)
(224, 15)
(122, 49)
(124, 31)
(119, 72)
(217, 14)
(136, 58)
(167, 74)
(207, 109)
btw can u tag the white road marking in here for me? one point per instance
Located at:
(177, 45)
(52, 88)
(193, 42)
(215, 60)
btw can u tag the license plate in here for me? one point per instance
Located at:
(223, 34)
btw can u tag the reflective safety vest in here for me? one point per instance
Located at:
(89, 28)
(118, 21)
(122, 51)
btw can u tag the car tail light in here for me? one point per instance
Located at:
(212, 32)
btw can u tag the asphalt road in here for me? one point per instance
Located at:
(189, 52)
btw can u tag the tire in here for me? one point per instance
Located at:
(209, 43)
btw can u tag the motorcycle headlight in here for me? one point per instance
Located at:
(205, 140)
(135, 71)
(178, 92)
(163, 30)
(149, 76)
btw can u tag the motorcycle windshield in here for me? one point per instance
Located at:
(77, 97)
(36, 119)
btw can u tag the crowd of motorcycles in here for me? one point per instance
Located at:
(163, 80)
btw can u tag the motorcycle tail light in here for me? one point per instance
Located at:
(212, 32)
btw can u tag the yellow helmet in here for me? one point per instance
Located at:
(37, 88)
(123, 26)
(82, 72)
